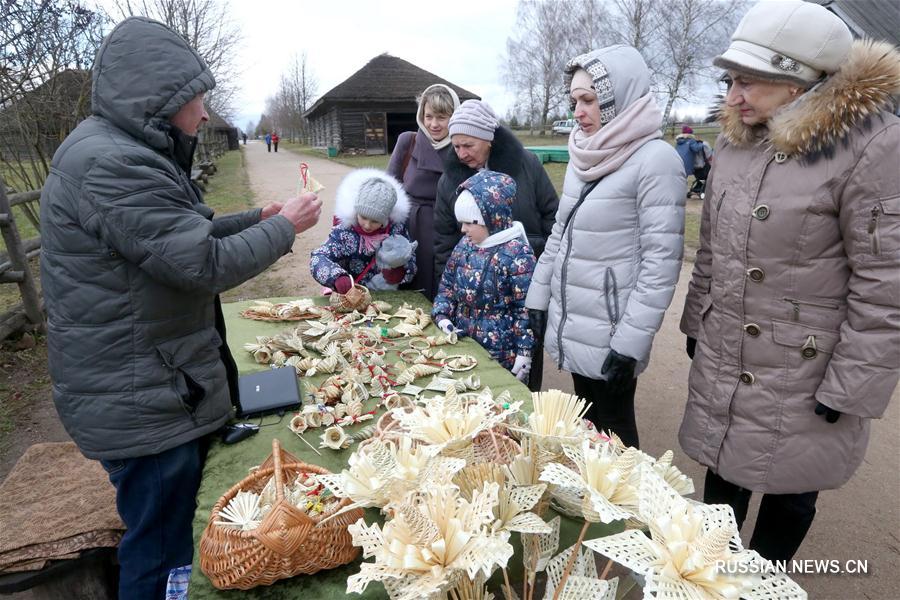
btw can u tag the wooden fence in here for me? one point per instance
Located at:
(14, 268)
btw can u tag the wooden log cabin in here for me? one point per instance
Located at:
(370, 109)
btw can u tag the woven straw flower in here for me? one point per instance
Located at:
(435, 538)
(605, 478)
(298, 424)
(511, 512)
(688, 542)
(446, 422)
(334, 438)
(386, 470)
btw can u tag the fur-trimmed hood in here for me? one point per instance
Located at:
(867, 84)
(348, 190)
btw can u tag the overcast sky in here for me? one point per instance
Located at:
(460, 40)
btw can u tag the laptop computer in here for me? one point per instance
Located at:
(267, 392)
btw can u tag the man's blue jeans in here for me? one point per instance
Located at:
(156, 497)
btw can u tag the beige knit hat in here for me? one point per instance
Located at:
(789, 40)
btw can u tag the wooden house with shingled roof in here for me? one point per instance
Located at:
(371, 108)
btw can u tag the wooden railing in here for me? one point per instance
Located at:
(14, 266)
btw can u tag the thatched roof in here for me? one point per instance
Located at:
(385, 78)
(216, 121)
(868, 18)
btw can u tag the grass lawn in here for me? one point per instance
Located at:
(229, 190)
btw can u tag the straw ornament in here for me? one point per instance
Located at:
(687, 543)
(335, 438)
(435, 537)
(242, 512)
(582, 582)
(604, 477)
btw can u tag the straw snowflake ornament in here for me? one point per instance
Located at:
(582, 582)
(688, 544)
(605, 478)
(435, 538)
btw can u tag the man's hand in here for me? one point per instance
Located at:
(303, 212)
(270, 210)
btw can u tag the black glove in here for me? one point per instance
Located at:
(691, 347)
(537, 320)
(830, 414)
(619, 370)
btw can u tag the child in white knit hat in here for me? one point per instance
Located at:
(369, 243)
(483, 289)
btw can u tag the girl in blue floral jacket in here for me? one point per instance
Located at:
(483, 289)
(369, 243)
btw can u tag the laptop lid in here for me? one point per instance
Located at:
(268, 391)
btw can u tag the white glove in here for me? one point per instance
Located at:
(447, 326)
(522, 368)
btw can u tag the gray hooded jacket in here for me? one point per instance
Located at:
(609, 269)
(132, 260)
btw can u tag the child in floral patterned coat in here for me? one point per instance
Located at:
(483, 289)
(369, 243)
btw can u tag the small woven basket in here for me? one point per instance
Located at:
(288, 542)
(358, 298)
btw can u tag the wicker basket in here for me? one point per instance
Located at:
(288, 542)
(358, 298)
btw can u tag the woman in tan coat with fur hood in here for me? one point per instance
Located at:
(793, 311)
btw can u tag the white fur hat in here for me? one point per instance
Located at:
(789, 40)
(370, 193)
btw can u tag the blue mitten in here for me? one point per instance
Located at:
(394, 251)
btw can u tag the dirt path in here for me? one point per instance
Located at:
(858, 521)
(274, 176)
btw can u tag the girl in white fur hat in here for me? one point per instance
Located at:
(370, 244)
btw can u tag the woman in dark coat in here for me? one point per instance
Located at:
(480, 142)
(418, 163)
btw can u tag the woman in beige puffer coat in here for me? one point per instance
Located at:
(794, 304)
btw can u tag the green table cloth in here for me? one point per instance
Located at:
(226, 465)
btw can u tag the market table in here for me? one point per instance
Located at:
(226, 465)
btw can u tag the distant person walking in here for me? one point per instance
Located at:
(268, 142)
(244, 135)
(275, 139)
(697, 157)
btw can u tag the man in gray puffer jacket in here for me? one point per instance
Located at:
(132, 264)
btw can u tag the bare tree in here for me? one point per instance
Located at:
(208, 27)
(691, 33)
(296, 90)
(46, 49)
(536, 55)
(677, 38)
